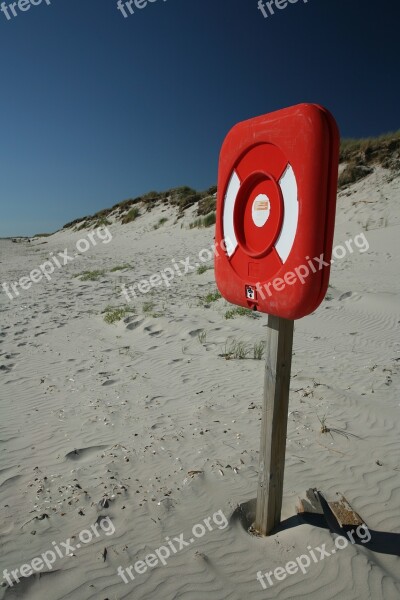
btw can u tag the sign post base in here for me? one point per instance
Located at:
(278, 362)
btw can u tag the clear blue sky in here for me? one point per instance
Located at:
(96, 108)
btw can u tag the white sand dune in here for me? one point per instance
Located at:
(121, 413)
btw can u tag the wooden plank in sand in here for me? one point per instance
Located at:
(345, 515)
(310, 504)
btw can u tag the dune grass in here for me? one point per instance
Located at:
(160, 223)
(120, 267)
(212, 297)
(90, 275)
(131, 215)
(113, 314)
(238, 350)
(238, 311)
(203, 268)
(206, 221)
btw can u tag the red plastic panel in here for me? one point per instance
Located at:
(276, 204)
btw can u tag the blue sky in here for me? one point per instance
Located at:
(96, 108)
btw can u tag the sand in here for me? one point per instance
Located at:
(145, 422)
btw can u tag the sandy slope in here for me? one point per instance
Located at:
(91, 411)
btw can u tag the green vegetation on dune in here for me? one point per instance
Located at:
(130, 216)
(239, 311)
(206, 206)
(120, 268)
(349, 146)
(212, 297)
(102, 222)
(128, 210)
(236, 349)
(160, 223)
(114, 314)
(206, 221)
(203, 268)
(360, 156)
(90, 275)
(148, 306)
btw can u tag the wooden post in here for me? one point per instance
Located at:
(278, 363)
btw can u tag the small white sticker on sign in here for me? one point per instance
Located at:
(260, 210)
(250, 292)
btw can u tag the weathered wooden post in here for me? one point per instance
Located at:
(278, 362)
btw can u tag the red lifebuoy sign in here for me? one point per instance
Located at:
(276, 203)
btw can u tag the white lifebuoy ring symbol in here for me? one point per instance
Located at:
(260, 212)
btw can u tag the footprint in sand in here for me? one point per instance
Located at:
(153, 331)
(345, 295)
(195, 332)
(134, 324)
(84, 453)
